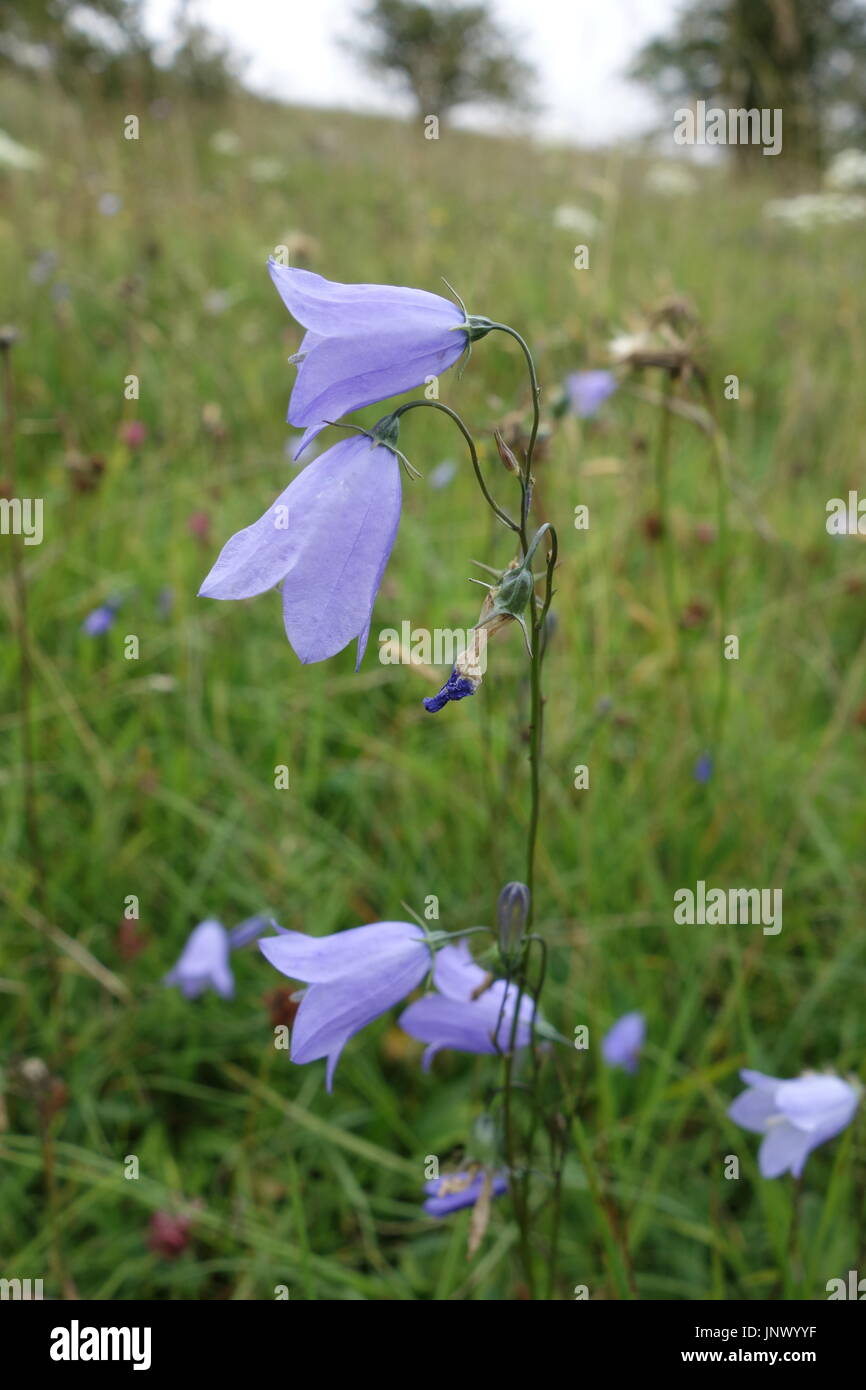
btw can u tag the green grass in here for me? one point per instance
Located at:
(155, 777)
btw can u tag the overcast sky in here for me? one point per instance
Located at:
(580, 48)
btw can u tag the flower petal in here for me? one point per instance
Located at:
(257, 558)
(468, 1026)
(753, 1109)
(784, 1149)
(329, 307)
(821, 1105)
(331, 1013)
(455, 973)
(346, 537)
(319, 959)
(465, 1196)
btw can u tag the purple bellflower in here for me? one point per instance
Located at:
(794, 1116)
(328, 538)
(353, 977)
(470, 1013)
(621, 1045)
(453, 1191)
(100, 619)
(586, 392)
(204, 963)
(364, 343)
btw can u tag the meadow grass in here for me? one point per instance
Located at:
(155, 777)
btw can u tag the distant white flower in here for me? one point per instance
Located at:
(267, 170)
(580, 221)
(216, 302)
(670, 180)
(16, 156)
(625, 345)
(847, 170)
(225, 142)
(806, 211)
(110, 204)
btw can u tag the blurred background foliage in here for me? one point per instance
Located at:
(155, 777)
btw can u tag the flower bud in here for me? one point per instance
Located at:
(507, 455)
(512, 910)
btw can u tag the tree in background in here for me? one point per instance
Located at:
(101, 44)
(807, 57)
(446, 54)
(74, 41)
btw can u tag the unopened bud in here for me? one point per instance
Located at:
(511, 913)
(506, 454)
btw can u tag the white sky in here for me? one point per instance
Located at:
(580, 48)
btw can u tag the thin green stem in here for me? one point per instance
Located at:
(473, 454)
(526, 499)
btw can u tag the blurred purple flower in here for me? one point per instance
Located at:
(587, 391)
(621, 1045)
(249, 930)
(794, 1116)
(353, 976)
(471, 1012)
(328, 537)
(703, 768)
(98, 622)
(204, 963)
(363, 343)
(457, 1190)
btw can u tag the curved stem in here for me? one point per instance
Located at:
(536, 418)
(473, 453)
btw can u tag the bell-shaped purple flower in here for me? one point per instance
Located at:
(794, 1116)
(453, 1191)
(471, 1012)
(586, 392)
(363, 343)
(621, 1044)
(354, 976)
(204, 963)
(327, 537)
